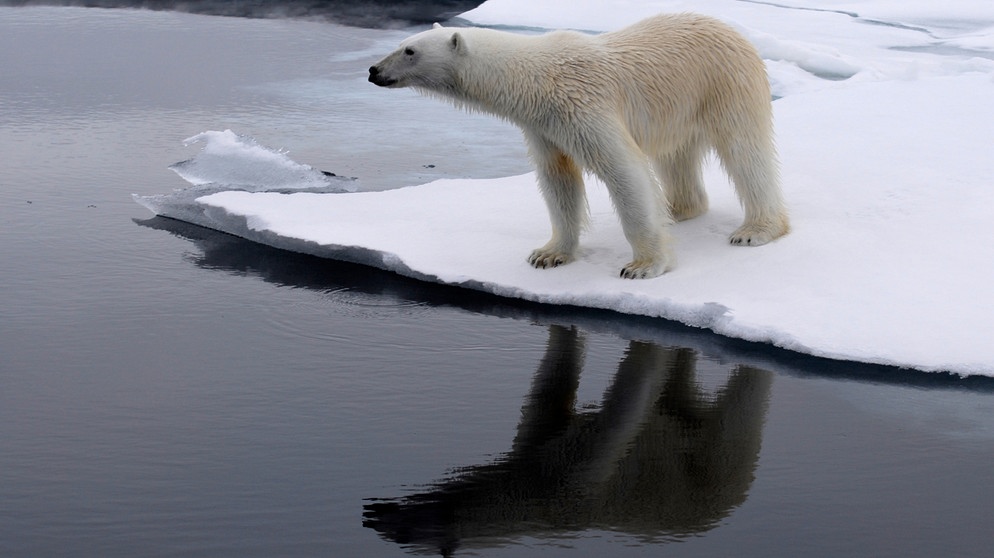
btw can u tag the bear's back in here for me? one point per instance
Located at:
(692, 56)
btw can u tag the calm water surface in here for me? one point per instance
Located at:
(170, 391)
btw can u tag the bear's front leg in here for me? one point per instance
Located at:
(561, 183)
(641, 207)
(648, 232)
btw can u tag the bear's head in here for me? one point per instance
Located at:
(424, 61)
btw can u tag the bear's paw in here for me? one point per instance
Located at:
(544, 258)
(757, 234)
(645, 269)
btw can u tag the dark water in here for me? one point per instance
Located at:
(170, 391)
(367, 13)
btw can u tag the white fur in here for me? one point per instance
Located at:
(645, 102)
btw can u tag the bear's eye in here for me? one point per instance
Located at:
(409, 51)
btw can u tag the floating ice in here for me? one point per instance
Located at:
(230, 162)
(230, 159)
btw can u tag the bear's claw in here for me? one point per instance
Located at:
(758, 234)
(542, 259)
(642, 270)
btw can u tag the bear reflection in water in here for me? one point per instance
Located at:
(660, 458)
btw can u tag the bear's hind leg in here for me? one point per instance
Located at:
(680, 173)
(561, 183)
(752, 166)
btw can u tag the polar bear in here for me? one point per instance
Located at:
(636, 107)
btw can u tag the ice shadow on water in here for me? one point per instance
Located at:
(232, 254)
(659, 459)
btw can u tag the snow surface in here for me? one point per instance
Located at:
(885, 125)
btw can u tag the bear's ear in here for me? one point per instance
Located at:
(436, 25)
(458, 43)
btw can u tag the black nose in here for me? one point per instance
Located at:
(377, 78)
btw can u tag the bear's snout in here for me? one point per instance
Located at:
(375, 77)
